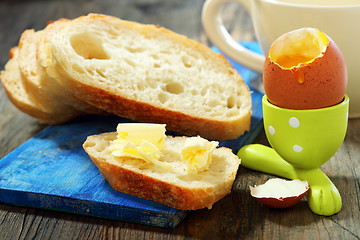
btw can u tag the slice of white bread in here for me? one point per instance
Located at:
(151, 74)
(13, 84)
(48, 75)
(174, 187)
(31, 79)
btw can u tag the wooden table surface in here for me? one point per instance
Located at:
(237, 216)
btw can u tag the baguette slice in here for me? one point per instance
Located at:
(174, 187)
(151, 74)
(31, 79)
(48, 75)
(12, 82)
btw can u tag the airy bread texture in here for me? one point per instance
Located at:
(104, 65)
(173, 187)
(150, 74)
(13, 83)
(48, 74)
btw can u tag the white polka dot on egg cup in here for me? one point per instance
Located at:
(305, 138)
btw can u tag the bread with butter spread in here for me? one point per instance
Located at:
(175, 186)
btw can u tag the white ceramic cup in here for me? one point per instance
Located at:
(340, 19)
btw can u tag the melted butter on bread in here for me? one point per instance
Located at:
(197, 153)
(140, 140)
(146, 141)
(139, 132)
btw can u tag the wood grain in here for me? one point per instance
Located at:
(237, 216)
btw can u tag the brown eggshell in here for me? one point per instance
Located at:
(275, 192)
(324, 82)
(281, 202)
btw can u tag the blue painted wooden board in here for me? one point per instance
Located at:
(52, 171)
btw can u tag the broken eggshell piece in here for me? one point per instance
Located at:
(280, 193)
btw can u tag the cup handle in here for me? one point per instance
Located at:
(218, 34)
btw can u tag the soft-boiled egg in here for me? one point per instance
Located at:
(305, 69)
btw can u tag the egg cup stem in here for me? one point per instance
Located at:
(323, 197)
(265, 159)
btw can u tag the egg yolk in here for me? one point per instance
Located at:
(299, 48)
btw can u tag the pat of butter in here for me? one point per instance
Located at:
(139, 140)
(197, 152)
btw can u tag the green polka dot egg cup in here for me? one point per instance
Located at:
(302, 141)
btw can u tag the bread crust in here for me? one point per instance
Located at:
(136, 184)
(175, 121)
